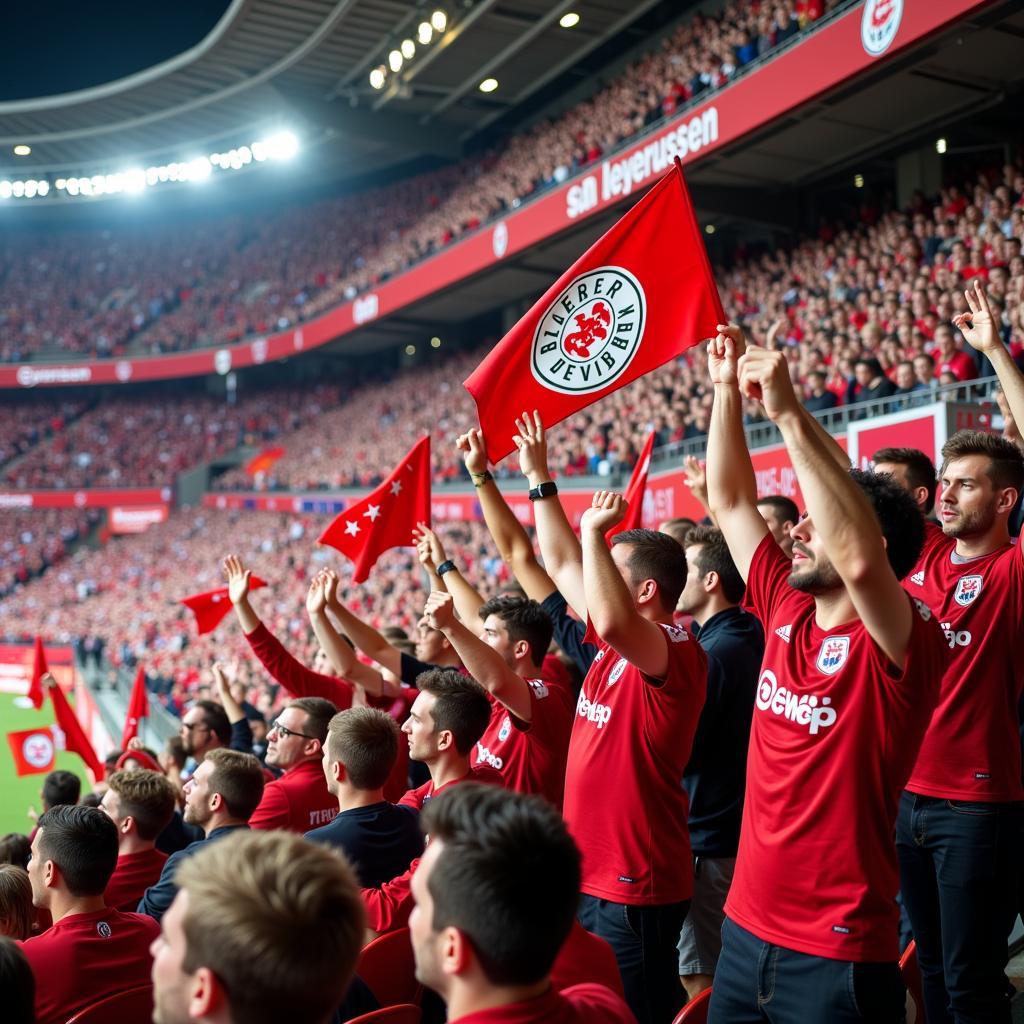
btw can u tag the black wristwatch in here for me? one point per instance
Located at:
(445, 566)
(545, 490)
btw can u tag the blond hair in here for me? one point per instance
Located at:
(279, 920)
(16, 913)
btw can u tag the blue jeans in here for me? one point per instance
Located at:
(644, 940)
(959, 868)
(756, 981)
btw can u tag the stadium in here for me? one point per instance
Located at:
(605, 412)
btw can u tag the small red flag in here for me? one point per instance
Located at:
(138, 708)
(640, 295)
(210, 607)
(385, 518)
(39, 669)
(75, 739)
(34, 751)
(635, 491)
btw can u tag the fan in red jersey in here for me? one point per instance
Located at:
(848, 684)
(959, 830)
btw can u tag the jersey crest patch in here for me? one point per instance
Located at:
(540, 691)
(833, 654)
(506, 728)
(616, 673)
(967, 589)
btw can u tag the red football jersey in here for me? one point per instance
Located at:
(417, 798)
(298, 801)
(624, 800)
(835, 732)
(580, 1004)
(133, 875)
(529, 756)
(972, 748)
(84, 958)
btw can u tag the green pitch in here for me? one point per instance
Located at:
(18, 793)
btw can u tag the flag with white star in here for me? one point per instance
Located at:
(386, 517)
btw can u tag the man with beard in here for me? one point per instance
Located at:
(219, 798)
(959, 829)
(848, 684)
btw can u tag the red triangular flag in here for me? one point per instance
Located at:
(386, 517)
(635, 491)
(138, 708)
(640, 295)
(34, 751)
(39, 669)
(75, 739)
(210, 607)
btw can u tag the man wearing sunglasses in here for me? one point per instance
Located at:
(299, 800)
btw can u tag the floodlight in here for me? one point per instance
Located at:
(425, 32)
(569, 20)
(282, 146)
(6, 189)
(377, 77)
(858, 181)
(940, 146)
(22, 150)
(439, 21)
(408, 49)
(489, 85)
(395, 60)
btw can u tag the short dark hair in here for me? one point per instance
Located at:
(82, 842)
(1006, 460)
(146, 796)
(656, 556)
(15, 849)
(238, 778)
(784, 508)
(920, 469)
(215, 718)
(17, 983)
(524, 619)
(365, 741)
(714, 556)
(872, 364)
(508, 878)
(461, 705)
(678, 528)
(318, 712)
(61, 787)
(899, 517)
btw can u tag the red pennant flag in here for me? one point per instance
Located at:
(34, 750)
(640, 295)
(138, 708)
(386, 518)
(75, 739)
(210, 607)
(39, 669)
(635, 491)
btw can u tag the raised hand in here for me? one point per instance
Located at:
(607, 510)
(979, 325)
(764, 376)
(429, 549)
(696, 479)
(724, 352)
(440, 610)
(769, 341)
(238, 579)
(471, 444)
(532, 443)
(316, 597)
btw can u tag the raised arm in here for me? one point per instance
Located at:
(696, 479)
(231, 706)
(559, 546)
(510, 536)
(340, 654)
(982, 333)
(238, 592)
(613, 613)
(483, 663)
(431, 554)
(365, 637)
(732, 489)
(839, 511)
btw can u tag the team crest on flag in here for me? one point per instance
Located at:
(833, 654)
(589, 335)
(37, 750)
(967, 589)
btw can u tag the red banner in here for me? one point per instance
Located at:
(827, 58)
(98, 498)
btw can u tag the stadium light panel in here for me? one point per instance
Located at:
(408, 49)
(425, 32)
(22, 150)
(489, 85)
(435, 342)
(377, 77)
(569, 20)
(6, 190)
(395, 60)
(858, 181)
(940, 146)
(410, 350)
(709, 229)
(282, 146)
(439, 21)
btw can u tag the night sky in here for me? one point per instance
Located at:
(54, 47)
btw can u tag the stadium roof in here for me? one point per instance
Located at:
(304, 65)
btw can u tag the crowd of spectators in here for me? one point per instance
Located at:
(25, 424)
(155, 288)
(33, 540)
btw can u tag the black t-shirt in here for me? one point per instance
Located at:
(569, 632)
(380, 840)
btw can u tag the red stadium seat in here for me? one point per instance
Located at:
(696, 1010)
(387, 967)
(911, 974)
(132, 1007)
(403, 1013)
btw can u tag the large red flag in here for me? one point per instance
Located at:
(640, 295)
(39, 669)
(75, 739)
(138, 708)
(386, 517)
(635, 491)
(34, 751)
(210, 607)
